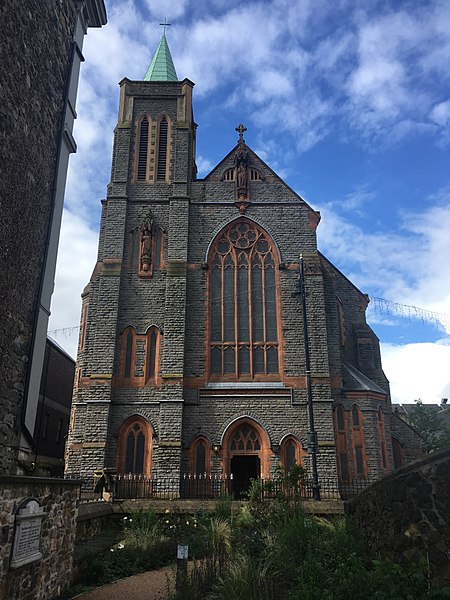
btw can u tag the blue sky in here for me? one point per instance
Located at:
(348, 101)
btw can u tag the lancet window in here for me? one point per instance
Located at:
(341, 444)
(244, 338)
(139, 360)
(143, 149)
(290, 453)
(135, 444)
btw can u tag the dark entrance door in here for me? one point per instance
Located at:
(244, 467)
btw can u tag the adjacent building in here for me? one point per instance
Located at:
(41, 50)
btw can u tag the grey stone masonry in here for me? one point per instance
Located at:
(169, 392)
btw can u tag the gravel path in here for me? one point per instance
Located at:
(151, 585)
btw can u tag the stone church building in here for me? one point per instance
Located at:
(192, 352)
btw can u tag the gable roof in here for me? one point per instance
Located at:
(225, 163)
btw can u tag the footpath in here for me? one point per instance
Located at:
(152, 585)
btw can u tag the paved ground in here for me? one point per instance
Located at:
(152, 585)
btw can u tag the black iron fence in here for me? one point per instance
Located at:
(206, 486)
(169, 488)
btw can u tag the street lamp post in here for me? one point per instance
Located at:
(312, 434)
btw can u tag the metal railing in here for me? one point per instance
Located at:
(205, 486)
(191, 486)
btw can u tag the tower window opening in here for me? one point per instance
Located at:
(162, 150)
(143, 150)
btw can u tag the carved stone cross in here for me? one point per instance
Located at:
(241, 129)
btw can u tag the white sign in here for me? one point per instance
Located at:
(183, 552)
(27, 534)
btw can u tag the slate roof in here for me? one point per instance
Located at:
(355, 380)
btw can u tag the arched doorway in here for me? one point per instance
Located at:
(245, 452)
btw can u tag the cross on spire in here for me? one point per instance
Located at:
(165, 24)
(241, 129)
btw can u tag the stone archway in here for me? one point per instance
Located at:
(245, 453)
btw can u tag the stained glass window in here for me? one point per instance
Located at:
(135, 449)
(243, 304)
(245, 439)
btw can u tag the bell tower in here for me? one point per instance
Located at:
(131, 349)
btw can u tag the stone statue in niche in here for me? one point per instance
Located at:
(241, 163)
(147, 231)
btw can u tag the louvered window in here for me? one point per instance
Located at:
(255, 175)
(229, 175)
(143, 150)
(162, 150)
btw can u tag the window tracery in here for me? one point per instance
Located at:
(135, 445)
(245, 439)
(243, 304)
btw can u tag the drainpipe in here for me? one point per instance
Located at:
(312, 434)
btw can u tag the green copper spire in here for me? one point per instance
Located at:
(161, 68)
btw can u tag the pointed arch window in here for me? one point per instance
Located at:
(290, 453)
(139, 359)
(142, 149)
(135, 446)
(163, 143)
(382, 435)
(158, 248)
(398, 453)
(152, 355)
(342, 444)
(200, 454)
(243, 305)
(128, 352)
(245, 439)
(359, 449)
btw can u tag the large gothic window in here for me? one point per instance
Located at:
(243, 305)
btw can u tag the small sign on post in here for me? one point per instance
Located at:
(182, 561)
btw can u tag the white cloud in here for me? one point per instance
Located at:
(417, 371)
(440, 113)
(355, 201)
(204, 166)
(410, 266)
(169, 9)
(76, 260)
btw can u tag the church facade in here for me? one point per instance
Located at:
(192, 356)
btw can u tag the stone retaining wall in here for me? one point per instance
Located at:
(406, 516)
(48, 576)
